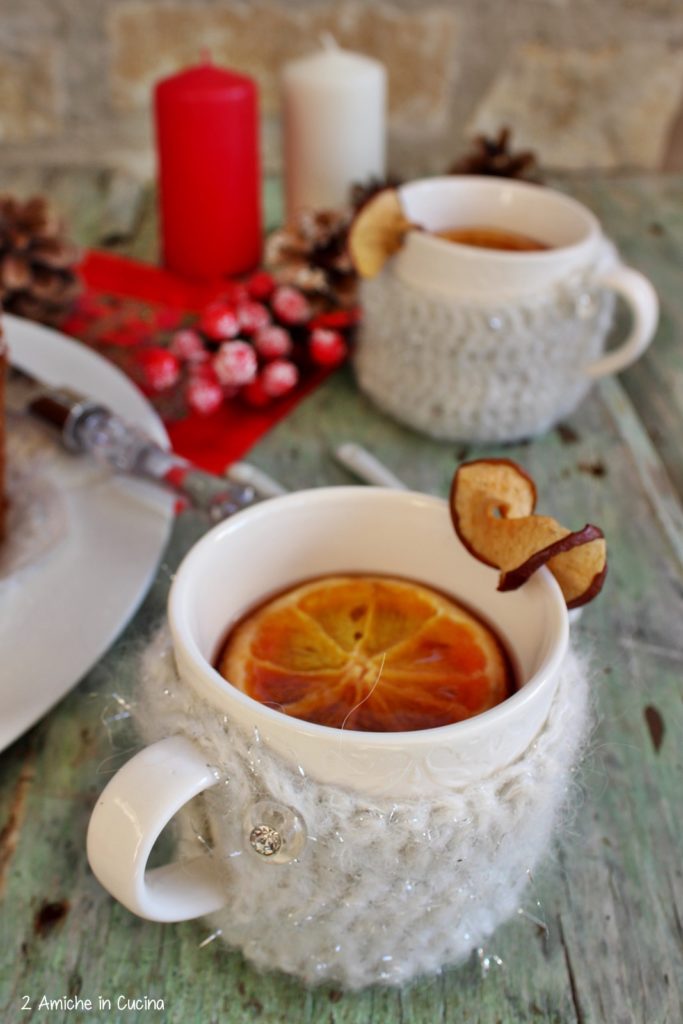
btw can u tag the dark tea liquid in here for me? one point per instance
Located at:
(374, 653)
(493, 238)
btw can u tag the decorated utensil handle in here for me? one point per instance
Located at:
(128, 818)
(87, 427)
(642, 300)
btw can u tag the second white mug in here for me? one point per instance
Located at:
(477, 344)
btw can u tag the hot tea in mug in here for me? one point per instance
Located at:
(483, 237)
(368, 652)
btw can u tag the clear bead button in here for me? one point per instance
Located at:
(275, 832)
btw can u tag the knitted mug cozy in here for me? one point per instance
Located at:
(383, 889)
(499, 371)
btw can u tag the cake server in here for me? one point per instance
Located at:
(87, 426)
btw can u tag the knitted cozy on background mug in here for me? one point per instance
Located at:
(339, 855)
(478, 344)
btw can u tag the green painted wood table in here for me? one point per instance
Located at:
(599, 937)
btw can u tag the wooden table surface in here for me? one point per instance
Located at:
(598, 939)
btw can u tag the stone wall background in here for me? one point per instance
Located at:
(586, 83)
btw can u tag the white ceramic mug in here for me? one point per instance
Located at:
(481, 344)
(244, 559)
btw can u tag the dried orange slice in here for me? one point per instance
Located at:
(368, 652)
(377, 232)
(492, 506)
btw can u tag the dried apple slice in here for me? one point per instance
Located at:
(377, 232)
(492, 503)
(489, 490)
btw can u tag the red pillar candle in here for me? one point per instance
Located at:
(209, 172)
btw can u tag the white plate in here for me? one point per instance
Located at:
(58, 616)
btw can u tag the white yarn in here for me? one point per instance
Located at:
(384, 890)
(467, 372)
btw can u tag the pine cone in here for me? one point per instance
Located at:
(37, 263)
(493, 156)
(310, 254)
(363, 191)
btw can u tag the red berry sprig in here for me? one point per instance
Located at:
(327, 347)
(256, 342)
(158, 368)
(290, 305)
(253, 317)
(261, 286)
(219, 321)
(188, 347)
(279, 377)
(204, 394)
(235, 363)
(273, 342)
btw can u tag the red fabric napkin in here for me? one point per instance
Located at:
(122, 304)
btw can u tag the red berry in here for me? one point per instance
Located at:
(219, 321)
(188, 346)
(327, 348)
(290, 305)
(272, 342)
(204, 395)
(261, 285)
(160, 368)
(252, 316)
(279, 377)
(235, 363)
(255, 394)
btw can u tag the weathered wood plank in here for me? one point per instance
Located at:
(655, 481)
(644, 216)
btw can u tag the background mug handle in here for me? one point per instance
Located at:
(131, 812)
(642, 300)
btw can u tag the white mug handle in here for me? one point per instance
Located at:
(128, 818)
(641, 297)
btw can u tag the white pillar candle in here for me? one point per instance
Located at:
(334, 126)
